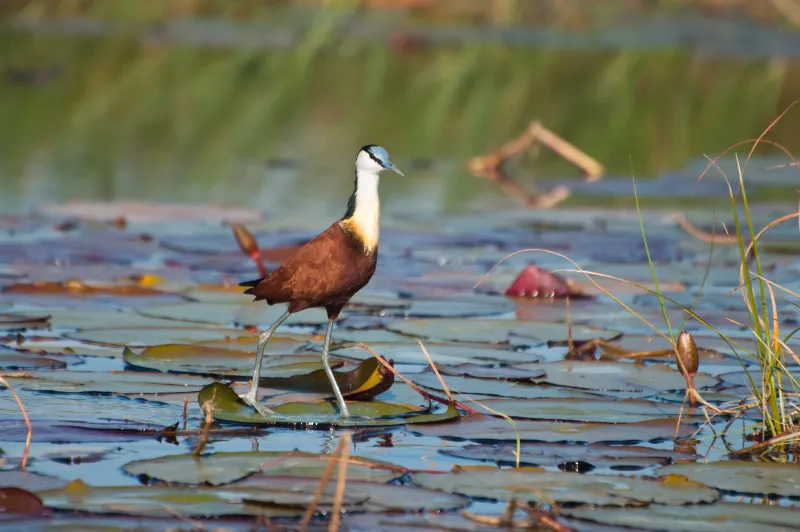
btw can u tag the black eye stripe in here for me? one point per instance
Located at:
(372, 156)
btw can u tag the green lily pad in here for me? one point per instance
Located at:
(371, 496)
(144, 337)
(410, 353)
(160, 501)
(589, 410)
(224, 468)
(498, 387)
(731, 517)
(617, 376)
(761, 478)
(509, 373)
(495, 330)
(218, 362)
(244, 312)
(552, 454)
(488, 428)
(228, 406)
(112, 382)
(536, 485)
(107, 319)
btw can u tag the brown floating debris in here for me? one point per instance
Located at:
(492, 166)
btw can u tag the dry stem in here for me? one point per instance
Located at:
(27, 423)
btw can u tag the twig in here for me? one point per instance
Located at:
(341, 480)
(436, 371)
(207, 408)
(705, 236)
(185, 410)
(323, 481)
(27, 423)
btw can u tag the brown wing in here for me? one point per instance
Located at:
(327, 268)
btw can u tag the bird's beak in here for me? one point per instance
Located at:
(393, 168)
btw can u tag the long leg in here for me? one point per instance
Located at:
(327, 365)
(251, 397)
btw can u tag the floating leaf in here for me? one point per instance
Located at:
(497, 387)
(13, 322)
(20, 361)
(552, 454)
(20, 501)
(223, 468)
(731, 517)
(244, 312)
(536, 485)
(228, 406)
(218, 362)
(30, 481)
(410, 353)
(487, 428)
(478, 305)
(510, 373)
(617, 376)
(496, 330)
(113, 382)
(761, 478)
(145, 336)
(371, 496)
(589, 410)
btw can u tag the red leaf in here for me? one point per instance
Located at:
(536, 282)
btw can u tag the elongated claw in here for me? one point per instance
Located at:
(252, 401)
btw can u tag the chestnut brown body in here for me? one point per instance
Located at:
(326, 272)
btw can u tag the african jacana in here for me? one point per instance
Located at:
(328, 270)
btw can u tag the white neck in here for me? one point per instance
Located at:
(366, 215)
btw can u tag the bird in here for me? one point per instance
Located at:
(329, 269)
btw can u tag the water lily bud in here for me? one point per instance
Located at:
(247, 242)
(687, 355)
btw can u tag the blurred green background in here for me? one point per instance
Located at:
(265, 103)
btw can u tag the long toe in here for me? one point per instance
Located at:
(261, 409)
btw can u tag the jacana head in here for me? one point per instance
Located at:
(374, 159)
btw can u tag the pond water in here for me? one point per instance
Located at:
(117, 316)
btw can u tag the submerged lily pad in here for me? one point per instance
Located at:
(411, 353)
(488, 428)
(228, 406)
(551, 454)
(618, 376)
(589, 410)
(112, 382)
(223, 468)
(495, 330)
(218, 362)
(245, 312)
(761, 478)
(731, 517)
(146, 336)
(536, 485)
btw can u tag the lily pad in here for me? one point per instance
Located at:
(144, 336)
(761, 478)
(510, 373)
(447, 308)
(487, 428)
(618, 376)
(371, 496)
(224, 468)
(243, 313)
(731, 517)
(551, 454)
(113, 382)
(410, 353)
(498, 387)
(20, 361)
(589, 410)
(228, 406)
(536, 485)
(186, 358)
(495, 330)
